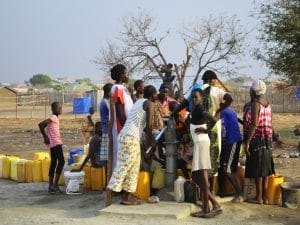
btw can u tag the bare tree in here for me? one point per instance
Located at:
(213, 43)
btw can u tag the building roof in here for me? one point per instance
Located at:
(10, 89)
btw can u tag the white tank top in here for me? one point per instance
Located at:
(136, 120)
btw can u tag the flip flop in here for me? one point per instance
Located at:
(130, 202)
(218, 211)
(210, 214)
(255, 201)
(198, 214)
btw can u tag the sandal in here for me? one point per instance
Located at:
(218, 211)
(202, 214)
(130, 202)
(255, 201)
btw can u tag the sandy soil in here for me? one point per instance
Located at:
(31, 204)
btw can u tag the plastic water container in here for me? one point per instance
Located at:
(41, 155)
(6, 161)
(13, 169)
(78, 158)
(1, 164)
(45, 169)
(86, 148)
(274, 192)
(158, 180)
(21, 170)
(87, 185)
(179, 189)
(87, 177)
(74, 182)
(97, 178)
(143, 186)
(249, 188)
(29, 166)
(37, 175)
(74, 152)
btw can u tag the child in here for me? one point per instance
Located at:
(94, 153)
(139, 90)
(53, 140)
(230, 151)
(104, 118)
(181, 163)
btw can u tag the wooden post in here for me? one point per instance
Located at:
(283, 100)
(16, 106)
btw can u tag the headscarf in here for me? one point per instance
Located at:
(163, 86)
(259, 87)
(196, 86)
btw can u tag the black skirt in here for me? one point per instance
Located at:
(260, 163)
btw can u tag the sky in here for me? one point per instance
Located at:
(61, 38)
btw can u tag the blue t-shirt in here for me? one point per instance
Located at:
(231, 130)
(104, 115)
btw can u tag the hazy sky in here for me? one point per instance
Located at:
(61, 37)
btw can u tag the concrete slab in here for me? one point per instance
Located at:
(162, 209)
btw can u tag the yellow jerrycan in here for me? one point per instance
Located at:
(97, 179)
(45, 169)
(29, 166)
(274, 191)
(21, 171)
(37, 175)
(143, 186)
(41, 155)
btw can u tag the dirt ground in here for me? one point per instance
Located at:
(22, 203)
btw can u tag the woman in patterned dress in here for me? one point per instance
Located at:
(258, 141)
(125, 175)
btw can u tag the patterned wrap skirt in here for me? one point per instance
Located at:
(125, 175)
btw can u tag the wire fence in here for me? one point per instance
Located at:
(38, 105)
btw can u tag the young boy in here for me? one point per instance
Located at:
(94, 153)
(230, 151)
(104, 118)
(53, 140)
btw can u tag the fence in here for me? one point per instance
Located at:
(282, 100)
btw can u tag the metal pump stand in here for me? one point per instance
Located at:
(171, 154)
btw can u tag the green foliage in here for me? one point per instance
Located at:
(40, 80)
(280, 35)
(84, 81)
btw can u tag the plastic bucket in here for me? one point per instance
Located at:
(290, 194)
(72, 153)
(78, 158)
(74, 182)
(274, 193)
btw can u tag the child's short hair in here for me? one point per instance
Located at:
(91, 110)
(137, 84)
(106, 89)
(55, 105)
